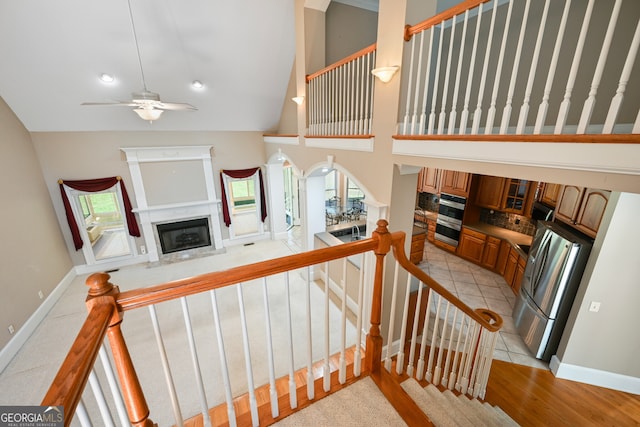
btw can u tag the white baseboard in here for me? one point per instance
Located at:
(25, 331)
(595, 377)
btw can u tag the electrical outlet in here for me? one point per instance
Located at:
(143, 249)
(11, 329)
(594, 307)
(40, 294)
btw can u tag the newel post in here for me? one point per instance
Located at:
(99, 286)
(373, 356)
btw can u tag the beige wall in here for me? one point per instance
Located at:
(348, 30)
(86, 155)
(33, 255)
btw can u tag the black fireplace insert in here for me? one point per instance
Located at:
(183, 235)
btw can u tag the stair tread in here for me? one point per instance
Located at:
(428, 403)
(464, 405)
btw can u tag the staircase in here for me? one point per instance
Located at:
(444, 408)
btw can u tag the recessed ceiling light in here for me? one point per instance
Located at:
(197, 84)
(106, 78)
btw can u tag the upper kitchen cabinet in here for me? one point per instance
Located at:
(438, 181)
(504, 194)
(582, 208)
(549, 194)
(454, 182)
(429, 180)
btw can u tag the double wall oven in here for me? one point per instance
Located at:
(449, 222)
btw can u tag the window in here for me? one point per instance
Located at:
(243, 192)
(100, 207)
(330, 185)
(353, 191)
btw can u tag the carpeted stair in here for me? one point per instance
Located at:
(446, 409)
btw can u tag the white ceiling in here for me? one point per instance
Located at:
(52, 53)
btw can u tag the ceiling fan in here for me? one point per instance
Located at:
(147, 104)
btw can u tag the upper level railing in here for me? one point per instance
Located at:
(341, 96)
(501, 67)
(294, 319)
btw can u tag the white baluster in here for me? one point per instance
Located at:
(403, 329)
(636, 125)
(524, 110)
(464, 115)
(544, 105)
(371, 89)
(506, 112)
(196, 364)
(491, 113)
(453, 377)
(327, 369)
(616, 102)
(253, 404)
(173, 396)
(293, 399)
(475, 126)
(414, 330)
(103, 407)
(445, 91)
(273, 393)
(357, 363)
(563, 113)
(310, 378)
(429, 374)
(231, 415)
(423, 341)
(453, 114)
(342, 374)
(392, 315)
(405, 122)
(83, 415)
(434, 99)
(113, 386)
(423, 115)
(357, 97)
(447, 363)
(437, 373)
(590, 103)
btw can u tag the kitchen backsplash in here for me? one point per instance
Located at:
(509, 221)
(428, 201)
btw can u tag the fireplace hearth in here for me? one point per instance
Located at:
(182, 235)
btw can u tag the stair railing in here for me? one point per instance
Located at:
(499, 67)
(341, 96)
(109, 399)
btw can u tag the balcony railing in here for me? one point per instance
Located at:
(197, 316)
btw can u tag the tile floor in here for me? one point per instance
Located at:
(478, 287)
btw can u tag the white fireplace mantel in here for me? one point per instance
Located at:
(149, 215)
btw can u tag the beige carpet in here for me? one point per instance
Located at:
(360, 404)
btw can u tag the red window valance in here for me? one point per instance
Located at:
(239, 174)
(92, 186)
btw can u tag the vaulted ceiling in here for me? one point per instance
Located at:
(53, 52)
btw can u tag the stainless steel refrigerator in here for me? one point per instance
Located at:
(551, 278)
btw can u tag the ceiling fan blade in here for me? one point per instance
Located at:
(116, 104)
(174, 106)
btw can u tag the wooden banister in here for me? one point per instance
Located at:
(410, 30)
(346, 60)
(628, 138)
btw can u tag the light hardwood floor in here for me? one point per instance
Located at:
(534, 397)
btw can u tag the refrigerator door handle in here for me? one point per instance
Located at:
(543, 254)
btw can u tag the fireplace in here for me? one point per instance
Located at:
(183, 235)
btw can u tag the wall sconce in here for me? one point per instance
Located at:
(298, 99)
(280, 157)
(385, 74)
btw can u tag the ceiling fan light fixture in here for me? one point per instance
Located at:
(149, 114)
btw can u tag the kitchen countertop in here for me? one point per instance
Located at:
(513, 237)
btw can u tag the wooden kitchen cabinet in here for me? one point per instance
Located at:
(417, 247)
(517, 278)
(503, 256)
(429, 180)
(454, 182)
(512, 265)
(516, 194)
(491, 252)
(582, 208)
(549, 194)
(431, 230)
(490, 191)
(471, 245)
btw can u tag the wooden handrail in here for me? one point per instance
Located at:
(614, 138)
(155, 294)
(68, 384)
(343, 61)
(410, 30)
